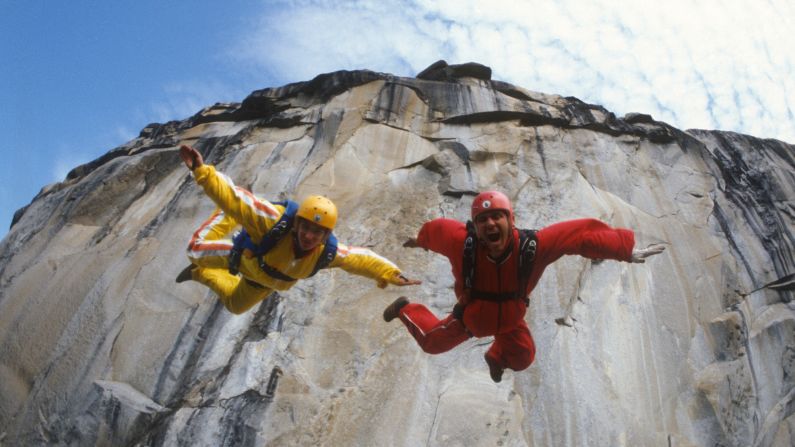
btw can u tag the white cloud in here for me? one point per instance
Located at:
(181, 100)
(124, 133)
(709, 64)
(65, 161)
(375, 35)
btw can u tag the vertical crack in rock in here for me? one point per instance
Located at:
(325, 134)
(154, 428)
(250, 405)
(749, 362)
(170, 209)
(435, 416)
(265, 319)
(171, 358)
(239, 412)
(725, 226)
(392, 102)
(540, 150)
(275, 155)
(783, 410)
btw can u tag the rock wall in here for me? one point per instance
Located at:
(99, 346)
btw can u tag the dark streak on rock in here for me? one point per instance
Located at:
(743, 163)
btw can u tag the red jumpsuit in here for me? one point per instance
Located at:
(513, 345)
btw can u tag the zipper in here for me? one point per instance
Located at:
(498, 265)
(499, 303)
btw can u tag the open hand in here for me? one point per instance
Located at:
(639, 255)
(192, 158)
(403, 281)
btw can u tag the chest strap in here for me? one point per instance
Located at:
(527, 245)
(273, 273)
(493, 296)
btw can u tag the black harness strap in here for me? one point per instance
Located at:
(470, 244)
(527, 252)
(492, 296)
(273, 273)
(528, 243)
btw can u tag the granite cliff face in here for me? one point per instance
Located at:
(99, 346)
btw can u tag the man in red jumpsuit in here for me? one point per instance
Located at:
(490, 302)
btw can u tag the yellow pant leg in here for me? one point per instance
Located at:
(236, 294)
(209, 250)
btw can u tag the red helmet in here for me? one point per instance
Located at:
(489, 201)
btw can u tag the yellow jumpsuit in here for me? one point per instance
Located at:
(211, 243)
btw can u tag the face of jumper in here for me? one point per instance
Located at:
(310, 234)
(494, 230)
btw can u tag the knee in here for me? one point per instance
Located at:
(526, 364)
(523, 361)
(237, 310)
(429, 345)
(433, 348)
(237, 307)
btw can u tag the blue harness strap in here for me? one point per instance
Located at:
(328, 255)
(282, 228)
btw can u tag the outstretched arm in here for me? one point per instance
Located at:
(590, 238)
(256, 215)
(443, 236)
(365, 262)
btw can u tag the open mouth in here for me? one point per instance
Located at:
(493, 237)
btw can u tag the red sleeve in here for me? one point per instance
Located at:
(444, 236)
(590, 238)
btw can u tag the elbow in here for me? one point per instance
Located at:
(429, 347)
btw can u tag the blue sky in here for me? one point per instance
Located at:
(80, 78)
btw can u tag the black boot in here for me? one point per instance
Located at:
(393, 310)
(495, 370)
(186, 273)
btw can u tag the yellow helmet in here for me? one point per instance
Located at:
(320, 210)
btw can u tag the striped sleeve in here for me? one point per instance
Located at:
(256, 215)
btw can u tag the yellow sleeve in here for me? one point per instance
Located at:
(256, 215)
(364, 262)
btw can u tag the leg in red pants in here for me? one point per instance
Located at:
(433, 335)
(513, 349)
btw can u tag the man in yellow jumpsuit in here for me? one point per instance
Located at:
(292, 258)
